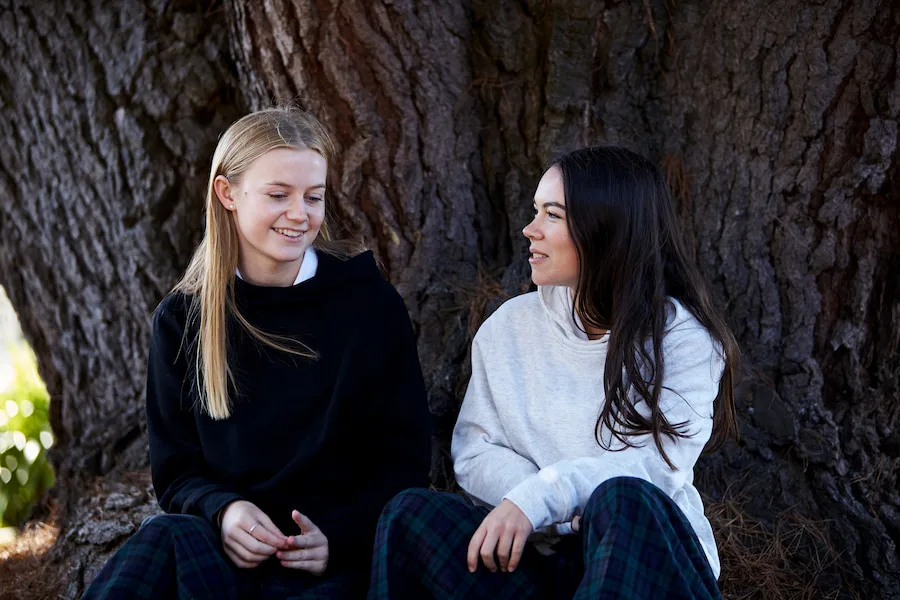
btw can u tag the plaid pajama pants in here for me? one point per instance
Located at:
(180, 556)
(634, 543)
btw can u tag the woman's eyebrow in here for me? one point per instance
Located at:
(288, 185)
(547, 205)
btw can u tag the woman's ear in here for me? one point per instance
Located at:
(224, 191)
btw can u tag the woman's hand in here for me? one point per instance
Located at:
(505, 529)
(248, 535)
(307, 551)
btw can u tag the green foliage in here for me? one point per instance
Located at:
(25, 437)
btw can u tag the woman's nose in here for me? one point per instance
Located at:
(531, 231)
(297, 210)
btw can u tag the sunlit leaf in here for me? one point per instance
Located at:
(7, 535)
(32, 450)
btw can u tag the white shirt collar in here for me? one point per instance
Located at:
(308, 267)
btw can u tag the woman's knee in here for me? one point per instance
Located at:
(407, 502)
(613, 491)
(417, 510)
(166, 526)
(629, 485)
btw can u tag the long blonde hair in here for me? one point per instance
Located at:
(209, 278)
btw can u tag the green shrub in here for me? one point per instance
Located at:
(25, 473)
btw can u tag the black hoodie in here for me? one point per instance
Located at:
(334, 438)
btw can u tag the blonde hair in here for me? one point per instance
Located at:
(209, 278)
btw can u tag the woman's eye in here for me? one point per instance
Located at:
(314, 199)
(550, 215)
(277, 196)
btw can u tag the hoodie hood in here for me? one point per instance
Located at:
(566, 325)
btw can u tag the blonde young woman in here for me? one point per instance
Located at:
(285, 402)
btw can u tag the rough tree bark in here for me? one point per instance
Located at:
(777, 130)
(110, 112)
(787, 131)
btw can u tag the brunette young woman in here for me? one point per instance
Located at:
(589, 404)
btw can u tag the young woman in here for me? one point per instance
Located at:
(589, 404)
(285, 402)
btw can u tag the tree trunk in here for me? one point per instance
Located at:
(777, 131)
(785, 133)
(109, 112)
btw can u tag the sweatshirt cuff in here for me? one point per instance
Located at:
(534, 497)
(209, 505)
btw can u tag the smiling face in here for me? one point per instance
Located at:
(278, 204)
(553, 259)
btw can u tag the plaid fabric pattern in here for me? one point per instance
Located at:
(638, 544)
(180, 556)
(298, 585)
(420, 552)
(635, 542)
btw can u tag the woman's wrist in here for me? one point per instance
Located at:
(221, 513)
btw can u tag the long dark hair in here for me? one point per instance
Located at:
(631, 259)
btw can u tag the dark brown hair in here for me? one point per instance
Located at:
(632, 259)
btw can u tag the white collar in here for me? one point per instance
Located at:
(308, 267)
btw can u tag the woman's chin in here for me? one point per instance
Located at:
(292, 255)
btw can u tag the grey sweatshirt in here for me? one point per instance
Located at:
(526, 427)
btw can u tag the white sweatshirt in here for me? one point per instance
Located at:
(526, 427)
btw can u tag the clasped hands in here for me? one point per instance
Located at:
(249, 538)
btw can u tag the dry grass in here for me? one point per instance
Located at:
(794, 560)
(487, 289)
(474, 296)
(24, 572)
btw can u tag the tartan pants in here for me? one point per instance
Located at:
(180, 556)
(634, 543)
